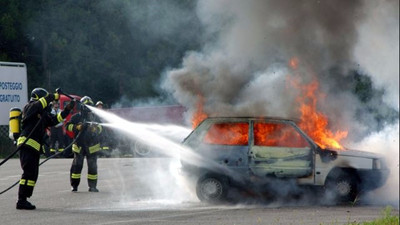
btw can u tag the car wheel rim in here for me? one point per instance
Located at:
(141, 149)
(211, 189)
(343, 188)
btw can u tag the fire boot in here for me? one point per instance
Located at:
(24, 204)
(93, 189)
(74, 188)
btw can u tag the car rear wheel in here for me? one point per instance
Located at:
(343, 187)
(141, 150)
(212, 189)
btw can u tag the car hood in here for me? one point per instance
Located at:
(357, 153)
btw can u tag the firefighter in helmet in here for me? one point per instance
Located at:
(104, 143)
(36, 118)
(87, 144)
(99, 104)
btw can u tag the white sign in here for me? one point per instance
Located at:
(13, 88)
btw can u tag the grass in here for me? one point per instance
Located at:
(386, 219)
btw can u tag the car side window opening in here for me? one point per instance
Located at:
(277, 135)
(227, 134)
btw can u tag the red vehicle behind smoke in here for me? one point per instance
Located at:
(64, 100)
(169, 114)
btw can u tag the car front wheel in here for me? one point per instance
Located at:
(343, 187)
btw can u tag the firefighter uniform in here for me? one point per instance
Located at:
(87, 144)
(56, 133)
(36, 118)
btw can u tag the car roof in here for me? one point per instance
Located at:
(223, 118)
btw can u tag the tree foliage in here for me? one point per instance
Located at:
(100, 48)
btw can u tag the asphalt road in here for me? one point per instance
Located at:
(149, 191)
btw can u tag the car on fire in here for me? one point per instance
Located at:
(264, 155)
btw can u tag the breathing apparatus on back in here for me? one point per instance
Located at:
(15, 123)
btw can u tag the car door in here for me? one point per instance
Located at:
(227, 144)
(278, 149)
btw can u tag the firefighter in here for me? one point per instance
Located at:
(87, 144)
(36, 118)
(99, 104)
(104, 143)
(56, 132)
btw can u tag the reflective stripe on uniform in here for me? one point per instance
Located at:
(70, 127)
(52, 150)
(59, 117)
(76, 149)
(92, 176)
(75, 175)
(43, 101)
(105, 148)
(31, 183)
(60, 149)
(100, 128)
(34, 144)
(94, 148)
(27, 182)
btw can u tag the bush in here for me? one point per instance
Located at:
(6, 146)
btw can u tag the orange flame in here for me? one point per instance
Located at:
(294, 63)
(199, 115)
(228, 134)
(270, 134)
(265, 134)
(313, 122)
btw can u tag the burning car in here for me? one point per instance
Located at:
(261, 155)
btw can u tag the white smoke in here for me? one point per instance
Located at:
(385, 142)
(377, 48)
(377, 51)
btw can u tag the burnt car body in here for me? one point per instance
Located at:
(263, 155)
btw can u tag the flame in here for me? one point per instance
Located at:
(313, 122)
(228, 134)
(199, 115)
(271, 134)
(265, 134)
(294, 63)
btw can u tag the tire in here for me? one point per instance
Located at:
(141, 149)
(212, 189)
(342, 187)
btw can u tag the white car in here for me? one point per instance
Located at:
(268, 155)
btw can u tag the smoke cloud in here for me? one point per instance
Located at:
(253, 41)
(377, 49)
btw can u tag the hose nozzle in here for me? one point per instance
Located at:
(59, 91)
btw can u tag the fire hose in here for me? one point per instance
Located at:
(59, 91)
(48, 158)
(18, 148)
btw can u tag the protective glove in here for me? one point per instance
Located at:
(79, 126)
(70, 105)
(94, 128)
